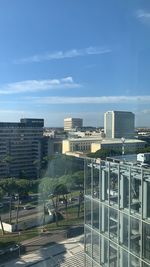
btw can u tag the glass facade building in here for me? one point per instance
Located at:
(117, 215)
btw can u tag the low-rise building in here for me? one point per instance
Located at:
(130, 145)
(78, 144)
(94, 143)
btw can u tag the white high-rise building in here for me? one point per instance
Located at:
(72, 123)
(118, 124)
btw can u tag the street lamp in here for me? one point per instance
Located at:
(123, 143)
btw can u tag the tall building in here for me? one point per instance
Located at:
(117, 215)
(118, 124)
(72, 123)
(20, 148)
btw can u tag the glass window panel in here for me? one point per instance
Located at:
(96, 215)
(88, 240)
(134, 261)
(146, 195)
(113, 224)
(104, 181)
(136, 193)
(95, 181)
(143, 264)
(103, 251)
(146, 242)
(88, 174)
(96, 247)
(104, 219)
(123, 258)
(124, 229)
(113, 184)
(87, 211)
(112, 255)
(135, 236)
(124, 190)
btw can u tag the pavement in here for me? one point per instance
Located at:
(63, 254)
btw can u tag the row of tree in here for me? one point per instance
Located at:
(11, 187)
(49, 188)
(103, 153)
(58, 188)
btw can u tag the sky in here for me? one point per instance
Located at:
(74, 58)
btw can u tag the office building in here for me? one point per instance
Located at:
(117, 214)
(72, 124)
(118, 124)
(20, 148)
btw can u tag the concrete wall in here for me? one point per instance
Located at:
(27, 224)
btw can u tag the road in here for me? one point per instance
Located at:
(22, 213)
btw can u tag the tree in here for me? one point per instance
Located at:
(53, 189)
(103, 153)
(59, 165)
(13, 186)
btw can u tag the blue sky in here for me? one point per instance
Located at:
(78, 58)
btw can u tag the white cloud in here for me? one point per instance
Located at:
(143, 15)
(92, 100)
(64, 54)
(37, 85)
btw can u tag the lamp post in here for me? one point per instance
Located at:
(123, 143)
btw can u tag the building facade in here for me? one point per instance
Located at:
(20, 148)
(130, 145)
(118, 124)
(78, 144)
(92, 144)
(117, 215)
(72, 123)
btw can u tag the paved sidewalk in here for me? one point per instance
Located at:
(65, 253)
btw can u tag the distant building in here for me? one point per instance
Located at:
(20, 148)
(78, 144)
(94, 143)
(117, 215)
(118, 124)
(130, 145)
(72, 123)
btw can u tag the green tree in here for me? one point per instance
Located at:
(53, 189)
(103, 153)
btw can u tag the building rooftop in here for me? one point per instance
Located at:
(103, 140)
(119, 141)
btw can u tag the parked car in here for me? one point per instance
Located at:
(14, 248)
(28, 207)
(1, 205)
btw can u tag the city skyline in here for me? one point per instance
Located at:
(67, 59)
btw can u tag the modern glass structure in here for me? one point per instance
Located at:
(117, 215)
